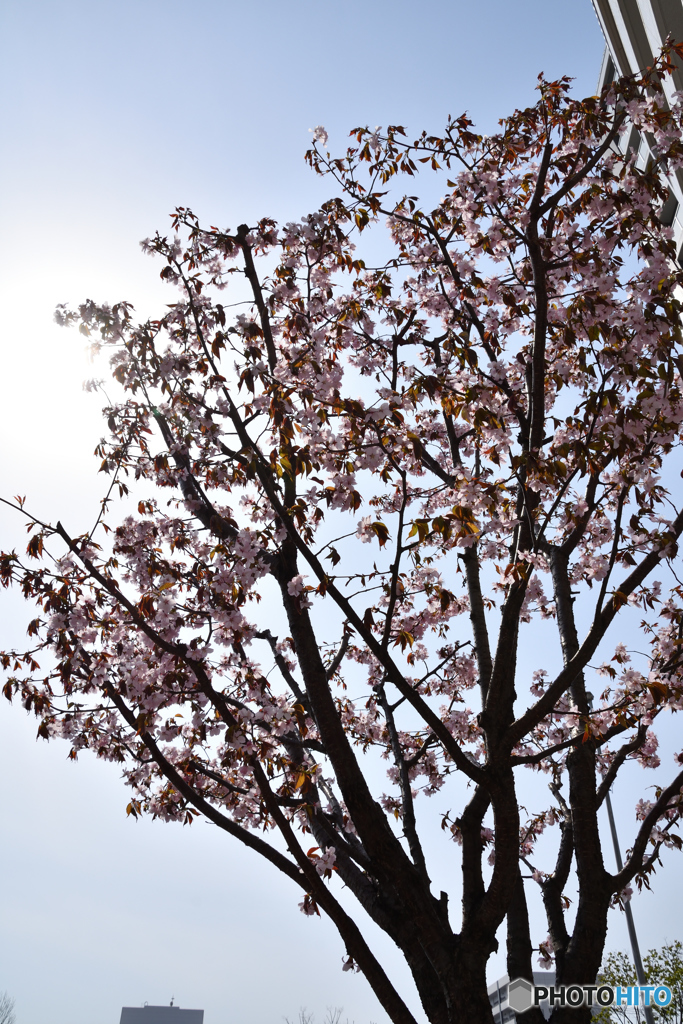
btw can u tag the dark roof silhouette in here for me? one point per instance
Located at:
(160, 1015)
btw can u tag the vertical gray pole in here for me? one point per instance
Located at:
(640, 973)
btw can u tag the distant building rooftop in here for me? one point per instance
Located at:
(160, 1015)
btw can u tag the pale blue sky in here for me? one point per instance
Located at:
(112, 114)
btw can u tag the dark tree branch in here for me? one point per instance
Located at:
(619, 758)
(252, 277)
(634, 863)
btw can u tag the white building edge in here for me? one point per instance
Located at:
(498, 997)
(635, 31)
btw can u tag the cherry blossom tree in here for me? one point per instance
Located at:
(351, 494)
(7, 1014)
